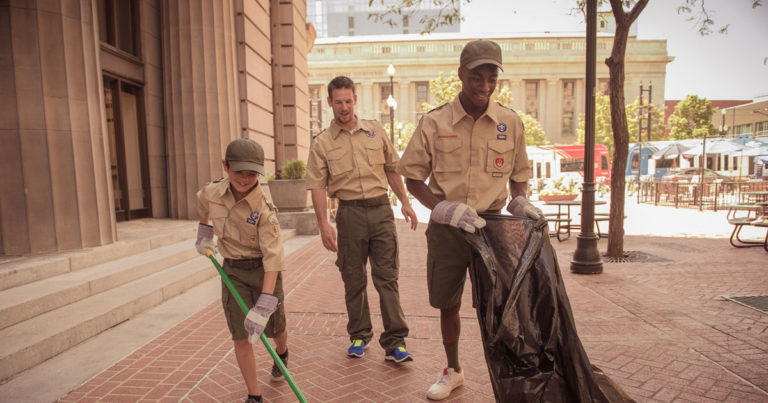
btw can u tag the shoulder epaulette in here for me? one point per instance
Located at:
(437, 108)
(505, 107)
(219, 180)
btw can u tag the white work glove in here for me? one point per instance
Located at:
(521, 207)
(205, 239)
(457, 215)
(258, 316)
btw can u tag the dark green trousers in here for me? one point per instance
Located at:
(369, 231)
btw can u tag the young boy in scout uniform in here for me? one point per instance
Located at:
(354, 160)
(470, 149)
(245, 222)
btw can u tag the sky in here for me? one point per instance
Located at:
(717, 66)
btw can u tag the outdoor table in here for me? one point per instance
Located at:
(759, 195)
(763, 223)
(568, 225)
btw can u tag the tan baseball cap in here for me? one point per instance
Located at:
(245, 155)
(480, 52)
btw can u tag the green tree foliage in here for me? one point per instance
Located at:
(692, 119)
(446, 89)
(603, 128)
(403, 134)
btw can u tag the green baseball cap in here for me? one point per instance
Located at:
(245, 155)
(480, 52)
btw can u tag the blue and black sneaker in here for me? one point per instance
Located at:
(356, 349)
(398, 355)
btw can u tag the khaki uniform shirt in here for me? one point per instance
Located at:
(246, 229)
(468, 161)
(352, 166)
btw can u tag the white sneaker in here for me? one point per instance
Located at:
(447, 381)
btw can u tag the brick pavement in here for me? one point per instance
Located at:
(660, 329)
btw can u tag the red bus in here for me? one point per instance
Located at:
(556, 161)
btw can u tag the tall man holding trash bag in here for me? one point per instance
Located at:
(470, 149)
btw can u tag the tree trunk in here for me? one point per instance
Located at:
(619, 123)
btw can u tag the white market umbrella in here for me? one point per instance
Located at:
(671, 151)
(714, 147)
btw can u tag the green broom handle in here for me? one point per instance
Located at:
(263, 338)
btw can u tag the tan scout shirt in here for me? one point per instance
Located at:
(353, 165)
(246, 229)
(468, 161)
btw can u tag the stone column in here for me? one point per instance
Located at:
(56, 187)
(201, 97)
(552, 109)
(405, 109)
(366, 106)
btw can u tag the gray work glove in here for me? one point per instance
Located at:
(258, 316)
(521, 207)
(457, 215)
(205, 239)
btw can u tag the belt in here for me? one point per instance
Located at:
(243, 263)
(374, 201)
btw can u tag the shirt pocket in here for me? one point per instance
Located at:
(375, 152)
(500, 156)
(447, 154)
(219, 216)
(339, 161)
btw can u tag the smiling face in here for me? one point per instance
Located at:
(477, 85)
(342, 101)
(241, 182)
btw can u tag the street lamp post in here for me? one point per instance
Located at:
(391, 102)
(586, 257)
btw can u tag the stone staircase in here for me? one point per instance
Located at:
(49, 304)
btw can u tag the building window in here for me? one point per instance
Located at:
(386, 49)
(761, 128)
(532, 98)
(743, 129)
(405, 24)
(603, 86)
(351, 25)
(118, 23)
(569, 106)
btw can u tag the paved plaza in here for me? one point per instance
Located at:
(659, 326)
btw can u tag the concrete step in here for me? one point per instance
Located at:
(16, 271)
(33, 341)
(26, 301)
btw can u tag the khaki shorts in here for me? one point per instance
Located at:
(448, 257)
(247, 277)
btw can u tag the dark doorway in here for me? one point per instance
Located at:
(127, 149)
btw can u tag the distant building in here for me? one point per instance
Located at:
(544, 72)
(334, 18)
(744, 119)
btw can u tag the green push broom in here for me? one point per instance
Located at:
(263, 338)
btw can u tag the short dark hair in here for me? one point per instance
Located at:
(340, 82)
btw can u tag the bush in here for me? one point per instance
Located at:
(293, 169)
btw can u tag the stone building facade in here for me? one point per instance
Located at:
(544, 72)
(121, 109)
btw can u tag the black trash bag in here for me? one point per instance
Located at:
(529, 336)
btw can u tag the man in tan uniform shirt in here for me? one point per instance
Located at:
(470, 150)
(355, 160)
(245, 222)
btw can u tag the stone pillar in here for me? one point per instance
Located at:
(290, 87)
(56, 187)
(552, 110)
(405, 107)
(201, 98)
(365, 98)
